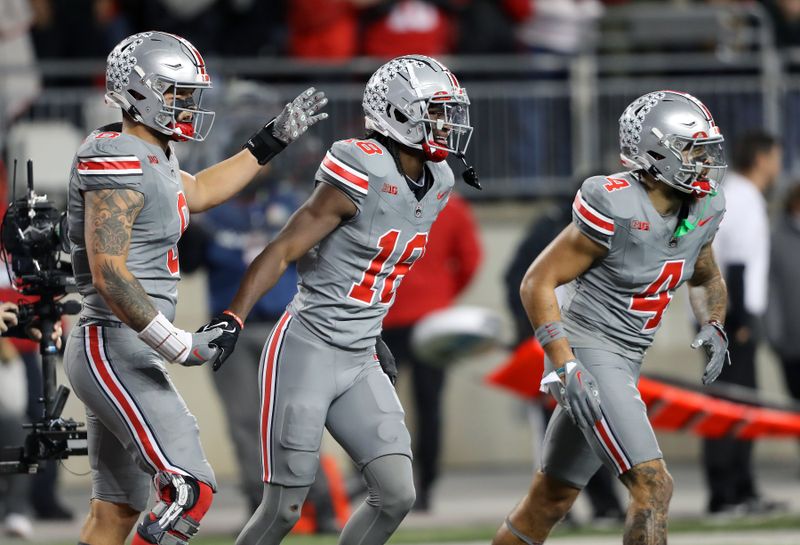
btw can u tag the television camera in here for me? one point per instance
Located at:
(34, 239)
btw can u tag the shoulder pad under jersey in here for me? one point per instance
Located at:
(110, 160)
(350, 164)
(602, 204)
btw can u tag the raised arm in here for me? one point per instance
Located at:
(322, 213)
(218, 183)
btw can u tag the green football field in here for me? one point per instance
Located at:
(760, 529)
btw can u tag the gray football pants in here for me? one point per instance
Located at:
(308, 385)
(623, 439)
(391, 496)
(237, 385)
(137, 422)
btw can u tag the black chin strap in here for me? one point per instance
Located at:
(470, 176)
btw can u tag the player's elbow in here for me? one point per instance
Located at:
(527, 288)
(101, 286)
(536, 282)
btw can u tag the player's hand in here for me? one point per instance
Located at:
(229, 327)
(298, 115)
(35, 334)
(386, 359)
(581, 394)
(714, 340)
(203, 348)
(8, 316)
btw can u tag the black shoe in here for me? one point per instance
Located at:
(55, 511)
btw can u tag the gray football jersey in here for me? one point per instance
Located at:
(618, 304)
(348, 281)
(109, 159)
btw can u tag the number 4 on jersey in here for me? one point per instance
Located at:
(654, 300)
(364, 290)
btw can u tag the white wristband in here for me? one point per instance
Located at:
(171, 343)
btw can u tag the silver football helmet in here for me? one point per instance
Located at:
(672, 136)
(142, 68)
(417, 101)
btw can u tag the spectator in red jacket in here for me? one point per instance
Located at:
(400, 27)
(451, 259)
(325, 29)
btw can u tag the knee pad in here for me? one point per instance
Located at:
(390, 483)
(183, 502)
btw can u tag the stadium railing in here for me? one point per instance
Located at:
(541, 122)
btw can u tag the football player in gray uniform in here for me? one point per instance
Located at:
(355, 238)
(636, 237)
(128, 204)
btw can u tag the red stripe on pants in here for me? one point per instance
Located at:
(112, 388)
(267, 389)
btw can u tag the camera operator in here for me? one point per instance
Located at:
(10, 326)
(14, 499)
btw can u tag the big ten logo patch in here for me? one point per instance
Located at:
(640, 225)
(389, 188)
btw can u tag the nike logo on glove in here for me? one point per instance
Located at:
(221, 326)
(704, 221)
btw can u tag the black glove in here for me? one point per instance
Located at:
(386, 359)
(230, 325)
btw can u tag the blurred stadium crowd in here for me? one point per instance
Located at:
(342, 29)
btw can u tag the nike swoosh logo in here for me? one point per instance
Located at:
(580, 380)
(441, 195)
(704, 221)
(173, 66)
(220, 326)
(196, 354)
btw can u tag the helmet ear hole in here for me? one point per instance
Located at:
(396, 114)
(655, 155)
(136, 94)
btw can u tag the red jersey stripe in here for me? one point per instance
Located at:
(348, 173)
(592, 217)
(90, 164)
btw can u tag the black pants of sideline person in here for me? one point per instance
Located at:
(728, 462)
(428, 384)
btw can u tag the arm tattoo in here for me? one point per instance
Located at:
(707, 293)
(128, 296)
(111, 213)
